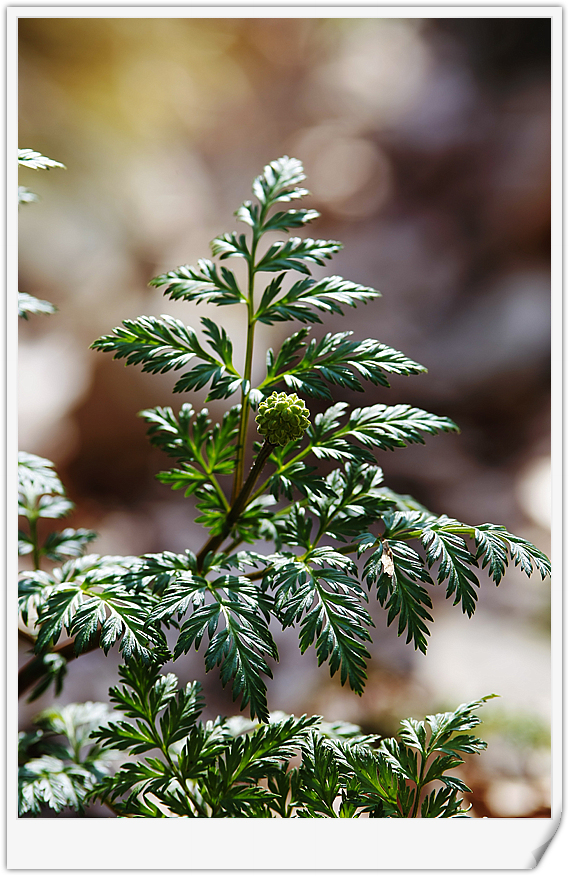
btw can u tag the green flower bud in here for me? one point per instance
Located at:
(282, 418)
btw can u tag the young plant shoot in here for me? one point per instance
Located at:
(285, 545)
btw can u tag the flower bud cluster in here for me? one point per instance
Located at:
(282, 418)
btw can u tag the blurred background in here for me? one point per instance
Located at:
(426, 144)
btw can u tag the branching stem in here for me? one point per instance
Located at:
(238, 505)
(33, 670)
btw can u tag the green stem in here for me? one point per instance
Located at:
(282, 470)
(238, 505)
(220, 492)
(160, 744)
(419, 786)
(183, 783)
(455, 530)
(246, 390)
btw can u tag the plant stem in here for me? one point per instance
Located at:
(183, 783)
(24, 636)
(283, 469)
(419, 786)
(238, 505)
(163, 747)
(33, 670)
(246, 390)
(220, 492)
(113, 810)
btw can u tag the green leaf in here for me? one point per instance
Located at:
(436, 754)
(85, 594)
(282, 221)
(202, 284)
(397, 569)
(28, 303)
(328, 295)
(213, 449)
(238, 769)
(443, 803)
(319, 778)
(292, 254)
(61, 774)
(67, 543)
(250, 758)
(443, 725)
(230, 246)
(156, 572)
(37, 474)
(158, 344)
(293, 474)
(494, 542)
(219, 341)
(379, 427)
(53, 507)
(443, 538)
(50, 781)
(54, 672)
(377, 787)
(120, 618)
(279, 182)
(166, 344)
(75, 721)
(352, 502)
(326, 603)
(180, 708)
(455, 566)
(40, 492)
(334, 359)
(185, 590)
(240, 646)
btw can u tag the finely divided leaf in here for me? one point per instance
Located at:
(283, 220)
(380, 427)
(67, 543)
(279, 182)
(291, 255)
(327, 604)
(37, 474)
(495, 542)
(229, 245)
(29, 304)
(328, 295)
(335, 360)
(164, 344)
(397, 569)
(240, 646)
(35, 160)
(456, 563)
(204, 283)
